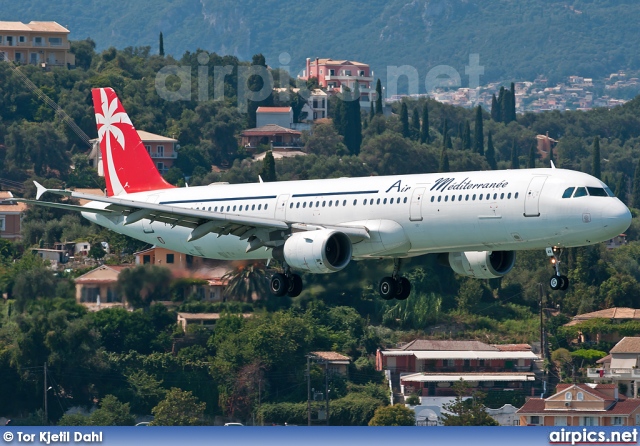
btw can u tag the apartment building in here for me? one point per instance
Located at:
(37, 43)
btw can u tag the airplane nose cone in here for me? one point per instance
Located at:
(617, 217)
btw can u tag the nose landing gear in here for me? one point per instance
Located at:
(557, 281)
(395, 287)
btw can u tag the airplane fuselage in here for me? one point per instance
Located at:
(406, 215)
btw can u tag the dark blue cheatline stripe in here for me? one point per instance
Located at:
(264, 197)
(326, 194)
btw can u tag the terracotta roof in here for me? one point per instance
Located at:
(331, 356)
(13, 26)
(537, 406)
(609, 313)
(116, 268)
(532, 405)
(273, 110)
(17, 207)
(595, 391)
(47, 26)
(512, 347)
(269, 129)
(208, 316)
(425, 344)
(152, 137)
(338, 62)
(627, 345)
(604, 360)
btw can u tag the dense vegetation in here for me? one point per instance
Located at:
(140, 359)
(515, 40)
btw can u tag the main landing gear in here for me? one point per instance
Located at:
(287, 283)
(557, 281)
(395, 287)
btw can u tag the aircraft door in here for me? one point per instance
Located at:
(532, 198)
(415, 210)
(281, 207)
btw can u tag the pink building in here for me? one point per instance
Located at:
(333, 74)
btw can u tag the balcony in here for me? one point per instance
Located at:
(614, 374)
(342, 78)
(165, 155)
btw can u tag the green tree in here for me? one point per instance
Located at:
(246, 282)
(112, 412)
(353, 125)
(97, 251)
(379, 110)
(178, 408)
(146, 389)
(515, 158)
(84, 50)
(470, 412)
(268, 172)
(396, 415)
(490, 154)
(621, 188)
(424, 130)
(415, 124)
(478, 145)
(372, 111)
(444, 161)
(404, 120)
(466, 136)
(500, 101)
(635, 202)
(532, 157)
(161, 45)
(324, 140)
(596, 158)
(256, 83)
(495, 109)
(142, 284)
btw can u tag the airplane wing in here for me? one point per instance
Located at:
(201, 222)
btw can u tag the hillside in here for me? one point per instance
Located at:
(515, 40)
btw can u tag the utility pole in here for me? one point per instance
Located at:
(308, 391)
(46, 406)
(326, 387)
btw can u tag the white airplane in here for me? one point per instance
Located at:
(476, 220)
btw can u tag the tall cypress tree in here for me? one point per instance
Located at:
(466, 136)
(490, 154)
(532, 157)
(551, 160)
(404, 119)
(338, 115)
(424, 130)
(495, 109)
(372, 111)
(507, 115)
(444, 161)
(255, 83)
(515, 159)
(596, 157)
(355, 124)
(621, 188)
(378, 98)
(415, 124)
(161, 49)
(445, 132)
(268, 173)
(513, 102)
(635, 202)
(478, 145)
(500, 106)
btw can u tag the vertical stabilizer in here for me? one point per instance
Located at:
(127, 166)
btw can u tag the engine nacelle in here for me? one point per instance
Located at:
(323, 251)
(482, 264)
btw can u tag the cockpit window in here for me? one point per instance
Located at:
(597, 192)
(568, 192)
(580, 192)
(609, 191)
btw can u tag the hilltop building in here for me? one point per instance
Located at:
(36, 43)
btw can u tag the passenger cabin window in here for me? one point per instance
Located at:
(580, 192)
(567, 193)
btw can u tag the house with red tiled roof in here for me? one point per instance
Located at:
(272, 135)
(581, 405)
(431, 367)
(97, 289)
(620, 367)
(10, 216)
(333, 362)
(582, 328)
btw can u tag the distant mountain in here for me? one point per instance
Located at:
(516, 40)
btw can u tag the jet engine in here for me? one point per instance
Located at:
(482, 264)
(322, 251)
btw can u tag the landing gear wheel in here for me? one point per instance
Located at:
(279, 284)
(403, 288)
(387, 288)
(555, 282)
(564, 283)
(295, 285)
